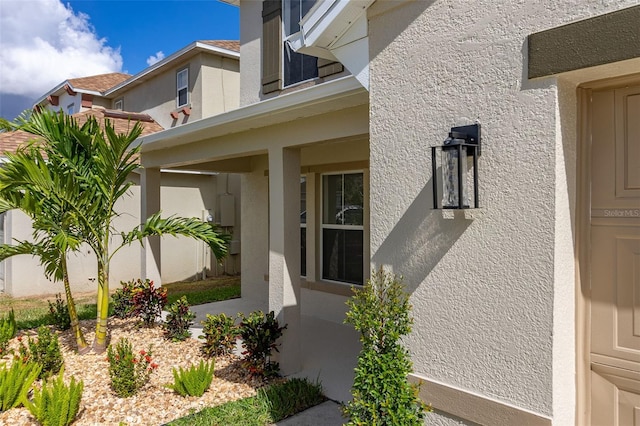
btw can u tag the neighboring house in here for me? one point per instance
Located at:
(198, 81)
(154, 94)
(80, 94)
(526, 309)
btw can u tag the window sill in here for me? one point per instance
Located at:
(328, 287)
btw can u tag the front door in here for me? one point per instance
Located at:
(615, 256)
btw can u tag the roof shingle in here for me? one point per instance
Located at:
(233, 45)
(99, 83)
(122, 122)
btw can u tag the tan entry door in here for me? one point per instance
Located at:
(615, 256)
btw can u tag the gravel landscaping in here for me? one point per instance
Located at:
(154, 404)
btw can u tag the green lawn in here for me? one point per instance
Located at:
(270, 405)
(32, 312)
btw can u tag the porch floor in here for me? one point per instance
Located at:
(329, 349)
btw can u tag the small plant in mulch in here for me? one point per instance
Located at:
(220, 334)
(56, 404)
(259, 332)
(59, 314)
(44, 350)
(179, 319)
(193, 381)
(129, 372)
(15, 383)
(7, 330)
(122, 300)
(148, 301)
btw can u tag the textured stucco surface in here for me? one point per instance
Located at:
(255, 232)
(250, 51)
(493, 297)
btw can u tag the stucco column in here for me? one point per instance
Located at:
(149, 204)
(284, 251)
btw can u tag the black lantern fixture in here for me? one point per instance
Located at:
(459, 153)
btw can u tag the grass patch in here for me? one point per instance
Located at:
(32, 312)
(207, 291)
(270, 405)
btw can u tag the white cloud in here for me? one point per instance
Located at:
(154, 59)
(44, 43)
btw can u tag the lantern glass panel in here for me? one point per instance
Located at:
(451, 177)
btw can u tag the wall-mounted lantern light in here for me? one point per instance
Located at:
(459, 153)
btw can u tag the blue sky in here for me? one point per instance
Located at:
(44, 42)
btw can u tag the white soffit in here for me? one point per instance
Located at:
(337, 29)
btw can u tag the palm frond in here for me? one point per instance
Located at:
(189, 227)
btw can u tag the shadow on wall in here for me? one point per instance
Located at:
(401, 20)
(419, 240)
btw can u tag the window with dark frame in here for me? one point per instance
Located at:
(182, 87)
(297, 67)
(343, 227)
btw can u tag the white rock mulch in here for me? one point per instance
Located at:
(154, 404)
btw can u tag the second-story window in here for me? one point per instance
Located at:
(182, 87)
(119, 104)
(70, 109)
(297, 67)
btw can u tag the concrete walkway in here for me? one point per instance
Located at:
(329, 349)
(329, 352)
(326, 414)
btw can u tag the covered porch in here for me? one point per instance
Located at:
(287, 151)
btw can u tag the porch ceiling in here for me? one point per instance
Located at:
(330, 111)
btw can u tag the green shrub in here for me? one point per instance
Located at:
(56, 404)
(148, 301)
(381, 393)
(178, 321)
(15, 383)
(192, 382)
(59, 314)
(128, 372)
(7, 330)
(259, 334)
(290, 397)
(44, 351)
(122, 300)
(220, 334)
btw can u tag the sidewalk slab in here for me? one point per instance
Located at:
(326, 414)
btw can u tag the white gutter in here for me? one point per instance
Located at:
(166, 61)
(306, 102)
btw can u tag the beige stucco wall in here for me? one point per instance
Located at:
(255, 231)
(250, 51)
(185, 195)
(493, 296)
(182, 194)
(220, 85)
(157, 97)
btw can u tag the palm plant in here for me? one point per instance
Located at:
(99, 162)
(30, 184)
